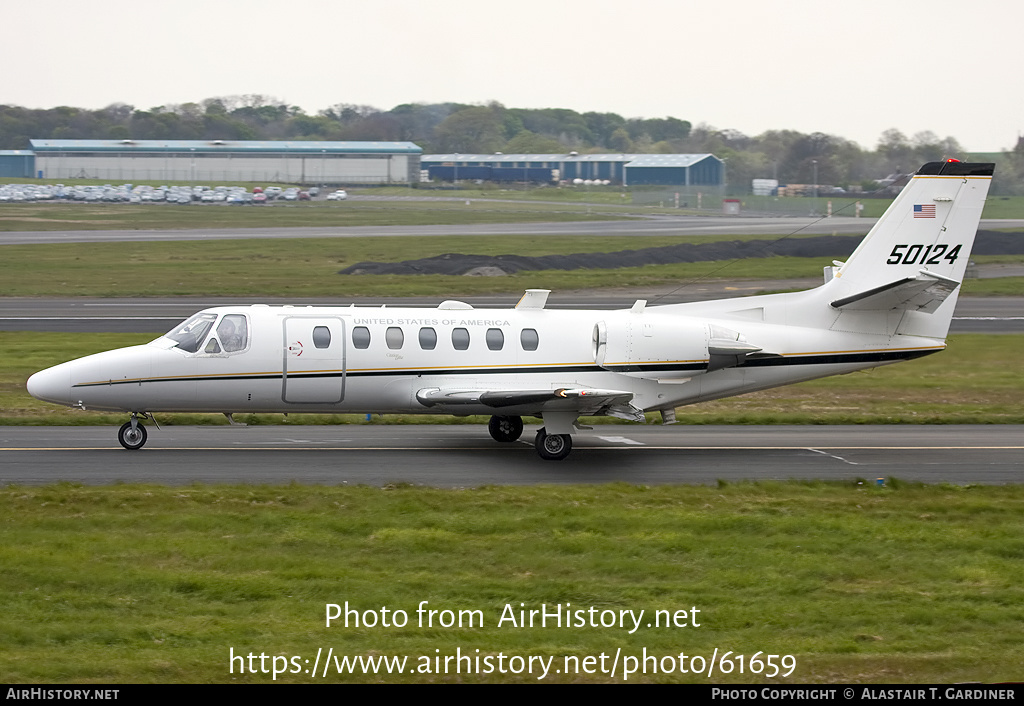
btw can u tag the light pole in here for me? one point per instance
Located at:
(815, 163)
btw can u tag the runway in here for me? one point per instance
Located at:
(688, 225)
(464, 456)
(666, 225)
(158, 315)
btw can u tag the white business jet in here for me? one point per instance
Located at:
(892, 300)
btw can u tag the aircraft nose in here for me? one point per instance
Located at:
(51, 385)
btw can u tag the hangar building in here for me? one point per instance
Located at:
(229, 161)
(625, 169)
(20, 164)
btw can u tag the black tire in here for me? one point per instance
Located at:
(505, 429)
(552, 447)
(130, 439)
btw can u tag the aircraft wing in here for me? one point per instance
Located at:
(582, 400)
(925, 292)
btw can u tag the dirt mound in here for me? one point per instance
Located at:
(823, 246)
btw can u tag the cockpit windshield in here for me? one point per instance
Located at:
(190, 334)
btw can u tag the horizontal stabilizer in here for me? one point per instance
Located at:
(925, 292)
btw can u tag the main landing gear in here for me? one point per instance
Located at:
(505, 429)
(552, 447)
(132, 435)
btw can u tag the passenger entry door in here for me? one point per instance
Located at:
(314, 360)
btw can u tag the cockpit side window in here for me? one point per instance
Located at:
(191, 334)
(233, 333)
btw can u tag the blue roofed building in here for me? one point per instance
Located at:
(624, 169)
(674, 170)
(17, 164)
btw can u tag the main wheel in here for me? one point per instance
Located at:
(552, 447)
(505, 429)
(130, 438)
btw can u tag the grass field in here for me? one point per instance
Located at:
(48, 217)
(975, 381)
(310, 266)
(855, 583)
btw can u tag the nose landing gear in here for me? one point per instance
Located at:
(132, 435)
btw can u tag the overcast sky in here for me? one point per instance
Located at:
(852, 69)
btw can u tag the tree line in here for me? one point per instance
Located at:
(786, 155)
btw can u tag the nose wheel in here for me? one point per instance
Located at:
(132, 435)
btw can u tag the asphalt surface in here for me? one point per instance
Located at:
(691, 225)
(158, 315)
(679, 226)
(458, 456)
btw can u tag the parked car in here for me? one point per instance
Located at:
(339, 195)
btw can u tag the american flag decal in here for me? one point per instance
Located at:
(926, 210)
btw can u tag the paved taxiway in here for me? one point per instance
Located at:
(465, 456)
(158, 315)
(678, 226)
(690, 225)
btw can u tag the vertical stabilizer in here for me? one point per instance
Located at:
(915, 257)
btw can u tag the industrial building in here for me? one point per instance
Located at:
(229, 161)
(625, 169)
(19, 164)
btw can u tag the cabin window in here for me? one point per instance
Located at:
(529, 339)
(361, 337)
(394, 337)
(428, 338)
(460, 339)
(495, 339)
(321, 337)
(212, 346)
(233, 333)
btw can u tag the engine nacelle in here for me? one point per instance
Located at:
(656, 346)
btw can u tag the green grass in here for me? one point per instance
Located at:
(842, 205)
(975, 381)
(49, 217)
(135, 584)
(309, 267)
(998, 287)
(1004, 207)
